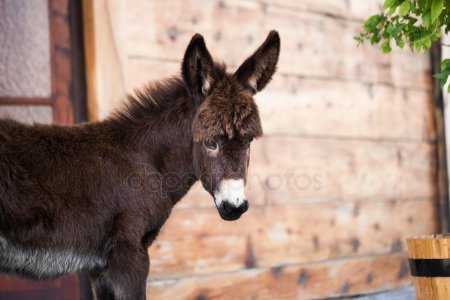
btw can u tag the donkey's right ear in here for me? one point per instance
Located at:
(257, 70)
(197, 68)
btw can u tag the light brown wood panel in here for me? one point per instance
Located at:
(308, 281)
(197, 241)
(302, 106)
(348, 9)
(325, 108)
(312, 45)
(295, 170)
(292, 169)
(140, 72)
(104, 43)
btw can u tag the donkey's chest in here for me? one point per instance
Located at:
(44, 263)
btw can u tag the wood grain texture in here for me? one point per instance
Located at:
(312, 45)
(310, 170)
(436, 246)
(104, 56)
(348, 9)
(197, 241)
(308, 281)
(63, 288)
(332, 108)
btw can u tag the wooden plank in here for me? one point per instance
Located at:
(324, 108)
(25, 101)
(345, 109)
(103, 32)
(291, 169)
(197, 241)
(309, 281)
(312, 45)
(348, 9)
(140, 72)
(295, 170)
(13, 283)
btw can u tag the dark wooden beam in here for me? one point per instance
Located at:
(441, 155)
(25, 101)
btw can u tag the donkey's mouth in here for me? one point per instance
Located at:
(230, 212)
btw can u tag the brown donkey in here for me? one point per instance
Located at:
(94, 197)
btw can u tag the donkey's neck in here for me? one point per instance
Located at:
(156, 124)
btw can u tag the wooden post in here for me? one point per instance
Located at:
(104, 55)
(429, 260)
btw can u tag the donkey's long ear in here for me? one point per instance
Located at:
(197, 68)
(257, 70)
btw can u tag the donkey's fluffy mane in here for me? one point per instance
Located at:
(152, 99)
(159, 96)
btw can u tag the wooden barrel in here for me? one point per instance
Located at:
(429, 261)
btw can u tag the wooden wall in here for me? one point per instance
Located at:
(346, 169)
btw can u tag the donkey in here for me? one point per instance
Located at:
(92, 198)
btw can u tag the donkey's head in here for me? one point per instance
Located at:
(226, 119)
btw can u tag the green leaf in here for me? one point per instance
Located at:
(375, 39)
(437, 6)
(400, 43)
(404, 8)
(426, 19)
(423, 43)
(443, 75)
(416, 23)
(445, 64)
(386, 46)
(424, 5)
(371, 24)
(391, 3)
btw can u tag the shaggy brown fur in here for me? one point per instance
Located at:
(93, 197)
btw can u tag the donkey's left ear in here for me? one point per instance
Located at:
(257, 70)
(197, 68)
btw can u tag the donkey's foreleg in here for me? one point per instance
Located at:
(125, 276)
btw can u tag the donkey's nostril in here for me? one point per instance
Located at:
(227, 207)
(244, 206)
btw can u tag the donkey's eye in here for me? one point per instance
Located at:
(211, 145)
